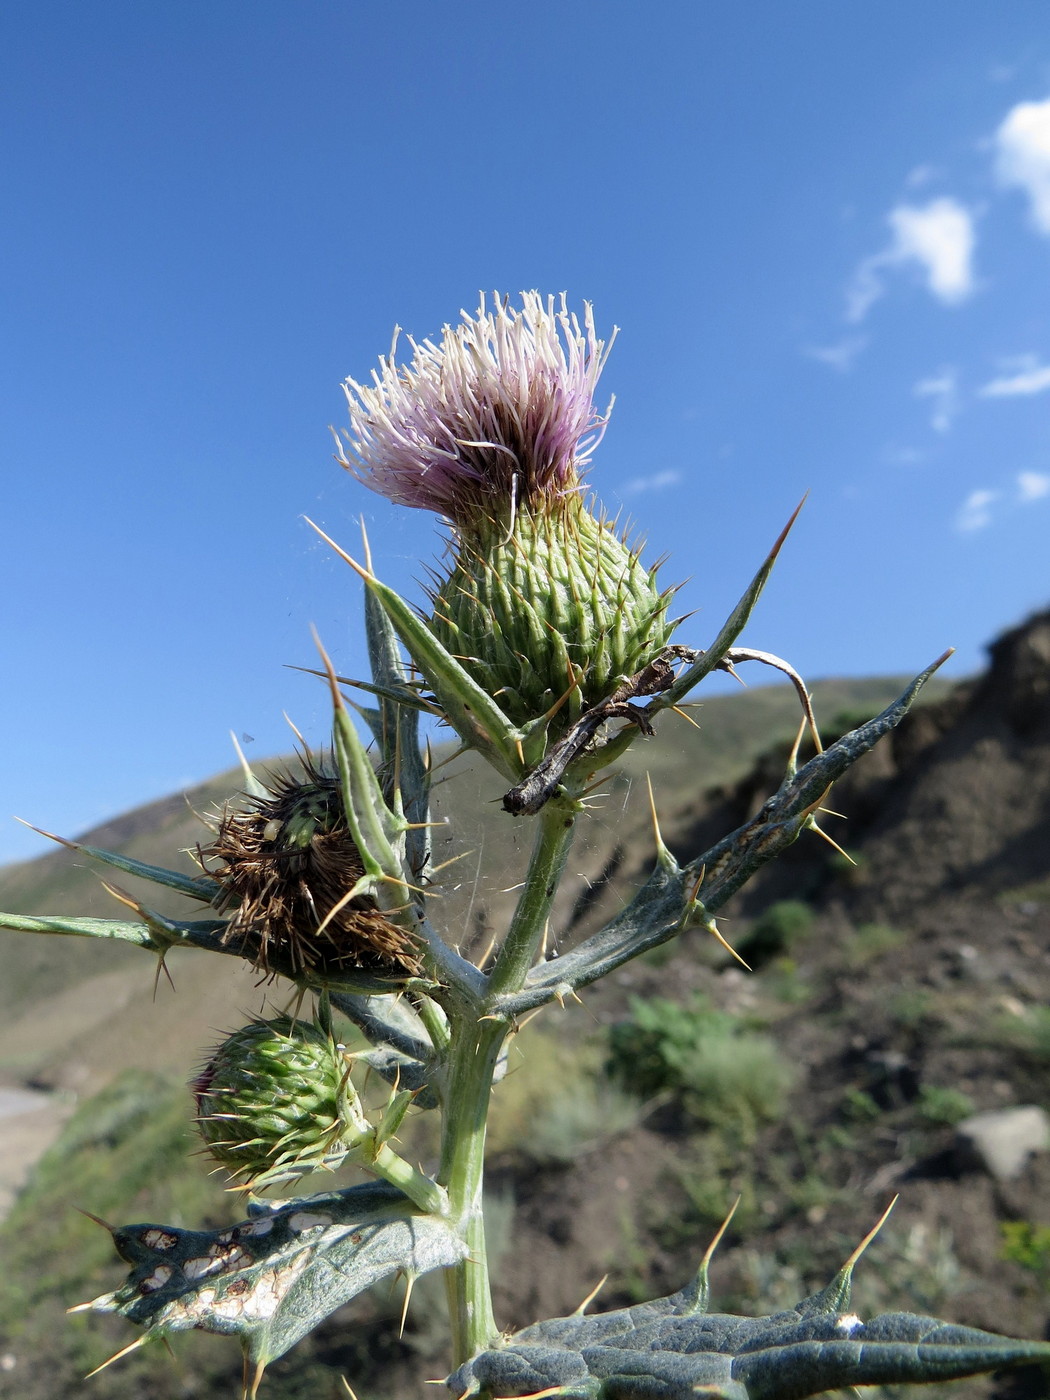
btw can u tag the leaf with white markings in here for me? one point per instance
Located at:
(275, 1276)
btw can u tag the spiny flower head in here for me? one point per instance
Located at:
(286, 863)
(499, 416)
(274, 1102)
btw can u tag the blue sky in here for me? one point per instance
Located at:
(823, 230)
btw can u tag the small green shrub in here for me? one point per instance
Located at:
(1028, 1245)
(776, 931)
(944, 1107)
(859, 1106)
(719, 1071)
(870, 941)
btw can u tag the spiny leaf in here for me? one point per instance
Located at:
(667, 1350)
(201, 933)
(200, 887)
(274, 1277)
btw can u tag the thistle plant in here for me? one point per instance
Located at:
(546, 647)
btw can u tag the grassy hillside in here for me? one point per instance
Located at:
(82, 1017)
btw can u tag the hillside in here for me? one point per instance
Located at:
(903, 993)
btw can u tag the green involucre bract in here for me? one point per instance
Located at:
(274, 1101)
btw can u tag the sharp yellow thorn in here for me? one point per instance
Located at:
(578, 1312)
(121, 895)
(828, 812)
(677, 710)
(326, 662)
(712, 929)
(530, 1017)
(831, 842)
(292, 726)
(487, 953)
(793, 755)
(349, 1391)
(71, 845)
(409, 1284)
(520, 752)
(452, 859)
(598, 783)
(132, 1346)
(246, 768)
(365, 545)
(162, 966)
(657, 833)
(870, 1235)
(257, 1380)
(709, 1251)
(366, 574)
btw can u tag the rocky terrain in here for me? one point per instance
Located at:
(892, 1002)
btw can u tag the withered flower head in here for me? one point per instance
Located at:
(284, 863)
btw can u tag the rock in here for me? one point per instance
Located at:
(1002, 1140)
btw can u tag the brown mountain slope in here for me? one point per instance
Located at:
(914, 990)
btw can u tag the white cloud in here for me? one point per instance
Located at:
(1032, 486)
(943, 389)
(659, 481)
(1028, 377)
(975, 512)
(940, 237)
(839, 356)
(1023, 156)
(937, 237)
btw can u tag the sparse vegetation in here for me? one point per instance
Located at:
(721, 1072)
(776, 932)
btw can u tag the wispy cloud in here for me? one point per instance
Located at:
(1032, 486)
(1022, 147)
(658, 481)
(1028, 377)
(943, 390)
(975, 513)
(980, 506)
(937, 237)
(839, 356)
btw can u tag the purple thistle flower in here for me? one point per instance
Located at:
(498, 416)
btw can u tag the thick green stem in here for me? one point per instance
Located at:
(557, 824)
(475, 1044)
(417, 1187)
(468, 1076)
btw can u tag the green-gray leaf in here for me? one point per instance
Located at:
(671, 1350)
(274, 1277)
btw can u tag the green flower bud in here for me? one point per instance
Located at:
(548, 600)
(274, 1102)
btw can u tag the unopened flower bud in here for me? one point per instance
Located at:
(274, 1102)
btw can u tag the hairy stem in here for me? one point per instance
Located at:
(477, 1037)
(557, 826)
(468, 1072)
